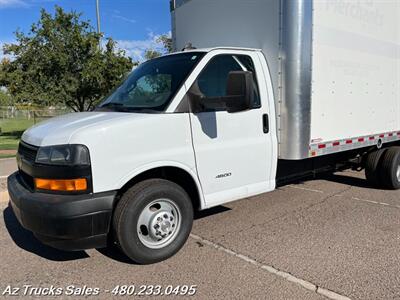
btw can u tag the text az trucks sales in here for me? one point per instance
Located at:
(30, 290)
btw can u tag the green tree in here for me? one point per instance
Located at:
(166, 42)
(151, 53)
(5, 98)
(59, 62)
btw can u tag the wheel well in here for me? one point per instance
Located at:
(173, 174)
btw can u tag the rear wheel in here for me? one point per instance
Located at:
(153, 220)
(373, 166)
(390, 170)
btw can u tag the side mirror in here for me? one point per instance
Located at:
(239, 91)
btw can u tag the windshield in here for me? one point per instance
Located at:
(152, 85)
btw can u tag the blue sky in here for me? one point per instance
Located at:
(134, 24)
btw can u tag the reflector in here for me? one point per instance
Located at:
(69, 185)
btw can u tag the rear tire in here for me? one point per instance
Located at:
(153, 220)
(390, 170)
(373, 166)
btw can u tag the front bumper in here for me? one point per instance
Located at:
(67, 222)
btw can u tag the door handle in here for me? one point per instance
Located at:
(265, 121)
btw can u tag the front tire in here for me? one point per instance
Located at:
(153, 220)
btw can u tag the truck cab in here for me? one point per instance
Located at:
(186, 131)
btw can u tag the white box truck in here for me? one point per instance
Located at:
(274, 91)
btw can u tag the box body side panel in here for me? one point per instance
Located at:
(355, 69)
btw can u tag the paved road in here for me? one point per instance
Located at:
(7, 166)
(334, 233)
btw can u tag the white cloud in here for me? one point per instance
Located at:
(12, 3)
(125, 19)
(137, 48)
(2, 55)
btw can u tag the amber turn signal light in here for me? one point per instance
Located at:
(66, 185)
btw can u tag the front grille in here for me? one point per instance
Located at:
(28, 180)
(28, 152)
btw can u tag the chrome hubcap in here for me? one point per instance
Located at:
(159, 223)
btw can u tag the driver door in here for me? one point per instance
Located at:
(232, 150)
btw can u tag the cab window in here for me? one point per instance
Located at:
(212, 82)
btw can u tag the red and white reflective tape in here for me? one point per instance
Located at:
(318, 149)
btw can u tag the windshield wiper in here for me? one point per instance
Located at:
(112, 104)
(116, 106)
(145, 110)
(122, 108)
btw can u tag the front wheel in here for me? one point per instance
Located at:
(153, 220)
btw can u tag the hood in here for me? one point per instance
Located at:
(59, 130)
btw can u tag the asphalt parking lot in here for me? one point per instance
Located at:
(331, 237)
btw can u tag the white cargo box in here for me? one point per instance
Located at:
(335, 64)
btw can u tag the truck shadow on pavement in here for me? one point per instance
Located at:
(27, 241)
(210, 212)
(115, 254)
(348, 180)
(341, 178)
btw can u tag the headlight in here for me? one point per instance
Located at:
(63, 155)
